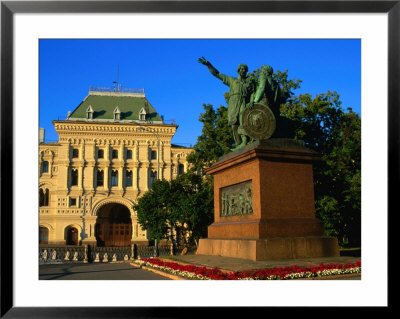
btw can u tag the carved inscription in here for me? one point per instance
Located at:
(237, 200)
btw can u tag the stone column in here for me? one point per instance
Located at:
(167, 160)
(89, 169)
(80, 177)
(135, 184)
(120, 178)
(144, 166)
(106, 179)
(107, 151)
(63, 166)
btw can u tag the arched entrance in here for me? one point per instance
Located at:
(72, 236)
(113, 226)
(43, 235)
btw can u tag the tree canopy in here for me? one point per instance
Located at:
(335, 134)
(216, 138)
(179, 210)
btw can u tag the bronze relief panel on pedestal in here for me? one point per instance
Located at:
(237, 200)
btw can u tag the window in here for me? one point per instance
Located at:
(128, 154)
(44, 197)
(181, 169)
(100, 178)
(117, 114)
(74, 177)
(72, 202)
(115, 154)
(100, 153)
(114, 178)
(45, 167)
(75, 153)
(153, 176)
(142, 114)
(128, 178)
(41, 197)
(153, 155)
(89, 113)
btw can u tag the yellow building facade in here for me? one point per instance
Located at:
(110, 150)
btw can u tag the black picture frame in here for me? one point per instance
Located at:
(9, 8)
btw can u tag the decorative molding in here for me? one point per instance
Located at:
(112, 200)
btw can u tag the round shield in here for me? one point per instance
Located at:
(259, 122)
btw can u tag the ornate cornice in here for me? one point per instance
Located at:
(69, 128)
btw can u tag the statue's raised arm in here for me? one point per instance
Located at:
(207, 63)
(248, 118)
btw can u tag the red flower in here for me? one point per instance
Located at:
(262, 274)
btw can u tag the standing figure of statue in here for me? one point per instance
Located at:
(268, 90)
(241, 93)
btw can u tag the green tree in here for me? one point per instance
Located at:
(153, 211)
(336, 136)
(193, 206)
(181, 207)
(216, 138)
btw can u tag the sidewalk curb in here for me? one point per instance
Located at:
(334, 277)
(185, 264)
(158, 272)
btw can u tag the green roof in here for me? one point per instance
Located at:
(104, 105)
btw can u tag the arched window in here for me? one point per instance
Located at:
(128, 178)
(114, 178)
(153, 176)
(41, 197)
(100, 178)
(46, 197)
(72, 236)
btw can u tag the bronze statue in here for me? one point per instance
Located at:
(248, 113)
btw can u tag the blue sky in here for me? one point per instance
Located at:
(176, 84)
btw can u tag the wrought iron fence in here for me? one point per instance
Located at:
(110, 254)
(61, 254)
(93, 254)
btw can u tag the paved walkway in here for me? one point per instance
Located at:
(96, 271)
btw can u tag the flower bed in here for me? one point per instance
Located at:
(289, 272)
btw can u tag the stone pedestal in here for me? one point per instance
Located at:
(264, 204)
